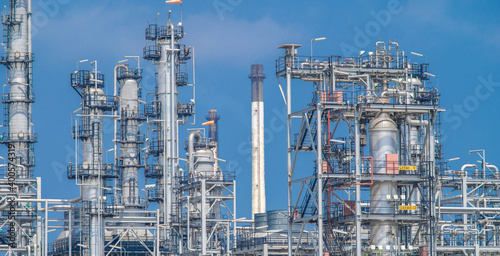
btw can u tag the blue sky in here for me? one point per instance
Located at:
(461, 40)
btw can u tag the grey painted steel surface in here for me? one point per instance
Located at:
(260, 222)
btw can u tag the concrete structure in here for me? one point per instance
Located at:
(258, 166)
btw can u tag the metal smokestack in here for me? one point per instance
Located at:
(213, 132)
(258, 182)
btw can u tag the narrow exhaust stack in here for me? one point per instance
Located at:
(258, 182)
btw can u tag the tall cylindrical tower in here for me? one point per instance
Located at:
(213, 132)
(129, 137)
(19, 137)
(383, 143)
(258, 181)
(92, 173)
(166, 113)
(18, 61)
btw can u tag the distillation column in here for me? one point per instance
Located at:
(167, 94)
(19, 62)
(383, 142)
(166, 53)
(129, 137)
(258, 176)
(19, 138)
(92, 172)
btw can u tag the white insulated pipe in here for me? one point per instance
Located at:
(416, 122)
(258, 167)
(467, 166)
(395, 93)
(193, 136)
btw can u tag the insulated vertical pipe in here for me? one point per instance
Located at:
(383, 141)
(319, 163)
(258, 181)
(289, 152)
(357, 164)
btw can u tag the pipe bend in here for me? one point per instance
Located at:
(466, 166)
(416, 122)
(494, 167)
(194, 135)
(395, 93)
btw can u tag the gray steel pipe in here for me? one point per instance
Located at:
(191, 139)
(416, 122)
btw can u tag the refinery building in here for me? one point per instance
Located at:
(375, 183)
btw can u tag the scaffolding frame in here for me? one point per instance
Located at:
(346, 93)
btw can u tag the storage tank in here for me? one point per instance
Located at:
(260, 222)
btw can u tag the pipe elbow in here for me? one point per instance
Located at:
(494, 167)
(416, 122)
(193, 136)
(467, 166)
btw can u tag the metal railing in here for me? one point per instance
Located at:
(100, 101)
(12, 19)
(135, 73)
(206, 175)
(92, 170)
(17, 57)
(85, 78)
(18, 137)
(151, 52)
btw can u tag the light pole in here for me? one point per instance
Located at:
(80, 61)
(314, 40)
(429, 74)
(421, 55)
(109, 150)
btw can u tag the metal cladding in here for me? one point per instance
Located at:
(383, 141)
(19, 61)
(258, 173)
(130, 116)
(257, 77)
(166, 113)
(18, 222)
